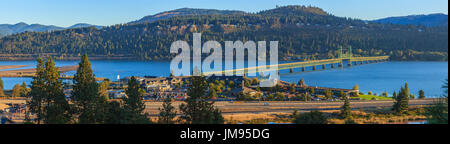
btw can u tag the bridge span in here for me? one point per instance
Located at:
(344, 58)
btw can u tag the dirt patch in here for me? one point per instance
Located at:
(12, 66)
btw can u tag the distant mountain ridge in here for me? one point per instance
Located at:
(9, 29)
(423, 20)
(186, 12)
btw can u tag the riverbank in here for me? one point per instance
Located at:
(30, 72)
(3, 67)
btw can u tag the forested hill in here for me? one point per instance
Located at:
(9, 29)
(425, 20)
(303, 33)
(185, 12)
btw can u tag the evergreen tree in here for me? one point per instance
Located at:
(167, 113)
(394, 95)
(103, 89)
(422, 94)
(2, 93)
(36, 95)
(24, 90)
(56, 107)
(197, 110)
(16, 92)
(346, 110)
(115, 114)
(401, 103)
(90, 105)
(133, 104)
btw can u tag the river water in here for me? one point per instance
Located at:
(377, 77)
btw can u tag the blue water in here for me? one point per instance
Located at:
(378, 77)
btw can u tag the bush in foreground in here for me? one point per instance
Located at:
(313, 117)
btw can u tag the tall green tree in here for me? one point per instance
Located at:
(401, 103)
(89, 104)
(103, 88)
(133, 104)
(167, 113)
(16, 91)
(115, 114)
(2, 93)
(37, 92)
(346, 109)
(197, 110)
(24, 90)
(56, 107)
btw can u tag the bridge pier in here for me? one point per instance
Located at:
(303, 69)
(291, 70)
(341, 65)
(314, 68)
(324, 67)
(333, 65)
(356, 62)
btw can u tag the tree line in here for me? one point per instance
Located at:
(50, 103)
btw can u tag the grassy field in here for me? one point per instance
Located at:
(372, 97)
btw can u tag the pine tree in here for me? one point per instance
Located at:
(16, 92)
(115, 114)
(24, 90)
(90, 105)
(346, 110)
(2, 93)
(167, 113)
(197, 110)
(103, 89)
(133, 104)
(401, 103)
(56, 107)
(36, 95)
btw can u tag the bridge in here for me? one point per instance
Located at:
(344, 58)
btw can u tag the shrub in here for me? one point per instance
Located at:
(313, 117)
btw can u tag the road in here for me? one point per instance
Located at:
(288, 107)
(264, 107)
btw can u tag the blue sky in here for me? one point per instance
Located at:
(109, 12)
